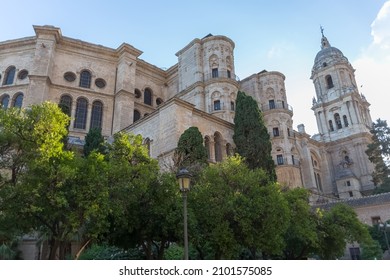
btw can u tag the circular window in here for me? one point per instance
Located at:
(23, 74)
(159, 101)
(70, 76)
(137, 93)
(100, 83)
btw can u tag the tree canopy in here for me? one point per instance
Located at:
(379, 152)
(251, 136)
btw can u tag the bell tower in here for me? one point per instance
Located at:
(343, 120)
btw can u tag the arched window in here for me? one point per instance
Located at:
(329, 81)
(148, 96)
(9, 76)
(18, 100)
(5, 101)
(81, 113)
(217, 105)
(207, 145)
(136, 115)
(85, 79)
(345, 120)
(218, 146)
(337, 121)
(331, 126)
(97, 114)
(66, 104)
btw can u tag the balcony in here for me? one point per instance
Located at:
(277, 106)
(220, 75)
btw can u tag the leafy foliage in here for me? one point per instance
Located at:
(378, 151)
(94, 141)
(251, 136)
(233, 207)
(190, 151)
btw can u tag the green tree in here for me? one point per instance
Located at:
(191, 152)
(378, 151)
(146, 205)
(51, 190)
(251, 136)
(233, 207)
(301, 237)
(94, 141)
(337, 227)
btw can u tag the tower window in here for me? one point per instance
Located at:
(229, 74)
(337, 121)
(279, 159)
(271, 104)
(232, 105)
(345, 120)
(331, 126)
(217, 105)
(329, 81)
(275, 131)
(214, 73)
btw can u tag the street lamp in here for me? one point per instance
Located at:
(184, 180)
(385, 227)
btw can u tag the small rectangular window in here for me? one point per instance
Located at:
(232, 105)
(355, 253)
(271, 104)
(214, 72)
(275, 131)
(217, 105)
(229, 75)
(348, 183)
(279, 159)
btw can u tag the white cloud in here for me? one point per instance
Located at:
(373, 66)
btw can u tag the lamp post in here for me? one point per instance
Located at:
(385, 227)
(184, 179)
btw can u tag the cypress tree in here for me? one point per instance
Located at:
(251, 136)
(93, 141)
(191, 149)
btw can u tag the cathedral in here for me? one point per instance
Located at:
(115, 90)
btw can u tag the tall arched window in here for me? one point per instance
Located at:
(85, 79)
(136, 115)
(66, 104)
(331, 126)
(80, 119)
(9, 76)
(148, 96)
(329, 81)
(218, 146)
(97, 114)
(345, 120)
(18, 100)
(337, 121)
(5, 101)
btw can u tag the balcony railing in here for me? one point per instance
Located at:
(284, 161)
(277, 105)
(219, 75)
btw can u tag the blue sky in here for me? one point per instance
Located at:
(273, 35)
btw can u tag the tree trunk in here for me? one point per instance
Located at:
(53, 247)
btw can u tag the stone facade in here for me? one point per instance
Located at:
(116, 90)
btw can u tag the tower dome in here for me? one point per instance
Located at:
(328, 55)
